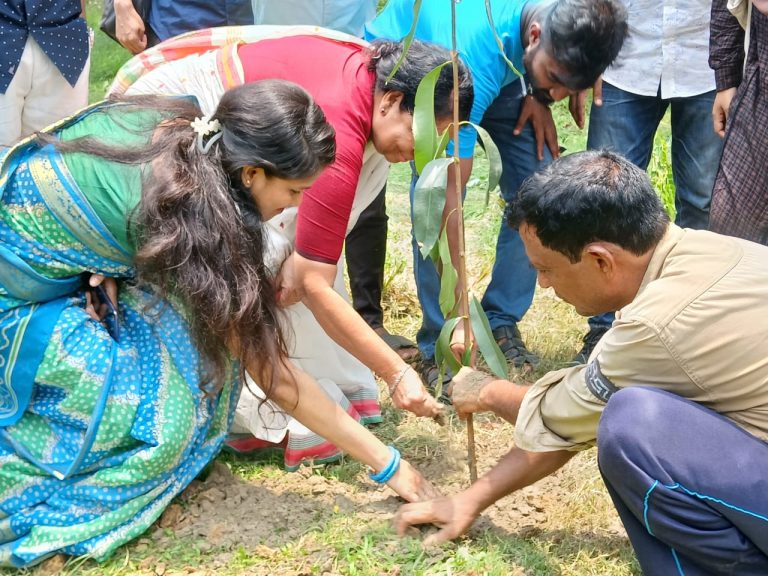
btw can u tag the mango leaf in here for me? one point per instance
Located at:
(434, 254)
(443, 143)
(428, 203)
(448, 277)
(499, 43)
(443, 355)
(425, 136)
(485, 340)
(494, 160)
(408, 40)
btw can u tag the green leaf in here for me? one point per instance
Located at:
(425, 136)
(428, 203)
(408, 40)
(443, 355)
(434, 254)
(494, 160)
(485, 340)
(499, 43)
(443, 143)
(492, 154)
(448, 277)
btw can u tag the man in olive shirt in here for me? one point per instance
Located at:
(675, 396)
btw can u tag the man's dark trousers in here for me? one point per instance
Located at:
(690, 486)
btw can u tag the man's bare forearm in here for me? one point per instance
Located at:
(517, 469)
(503, 398)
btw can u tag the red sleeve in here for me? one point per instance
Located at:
(336, 75)
(324, 212)
(326, 207)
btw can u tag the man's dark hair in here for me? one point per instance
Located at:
(588, 197)
(584, 37)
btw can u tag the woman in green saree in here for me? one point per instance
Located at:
(102, 423)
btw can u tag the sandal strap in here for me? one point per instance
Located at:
(511, 343)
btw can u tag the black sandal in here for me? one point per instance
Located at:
(399, 344)
(430, 374)
(512, 346)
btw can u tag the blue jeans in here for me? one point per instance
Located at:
(626, 123)
(513, 279)
(688, 484)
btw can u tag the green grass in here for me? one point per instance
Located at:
(107, 55)
(580, 534)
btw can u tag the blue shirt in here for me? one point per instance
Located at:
(474, 39)
(343, 15)
(55, 25)
(169, 18)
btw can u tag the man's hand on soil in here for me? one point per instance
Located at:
(452, 514)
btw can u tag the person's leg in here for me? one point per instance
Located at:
(696, 150)
(513, 279)
(432, 319)
(688, 484)
(365, 250)
(12, 101)
(427, 291)
(51, 97)
(626, 123)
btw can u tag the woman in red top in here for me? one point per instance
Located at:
(373, 122)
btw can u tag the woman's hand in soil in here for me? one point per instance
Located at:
(452, 514)
(410, 394)
(466, 391)
(410, 485)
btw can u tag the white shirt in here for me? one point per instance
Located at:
(668, 45)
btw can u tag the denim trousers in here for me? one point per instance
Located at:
(513, 279)
(689, 485)
(626, 123)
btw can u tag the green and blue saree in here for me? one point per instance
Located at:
(96, 436)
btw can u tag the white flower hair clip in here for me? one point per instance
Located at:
(204, 126)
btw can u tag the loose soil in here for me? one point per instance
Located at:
(225, 513)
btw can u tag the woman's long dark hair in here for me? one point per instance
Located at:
(199, 233)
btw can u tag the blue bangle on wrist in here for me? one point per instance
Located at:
(390, 469)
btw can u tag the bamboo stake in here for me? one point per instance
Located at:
(464, 299)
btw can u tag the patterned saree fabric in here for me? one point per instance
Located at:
(202, 41)
(96, 436)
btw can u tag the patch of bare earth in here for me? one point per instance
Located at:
(224, 512)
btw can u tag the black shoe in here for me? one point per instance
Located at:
(430, 374)
(590, 340)
(512, 346)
